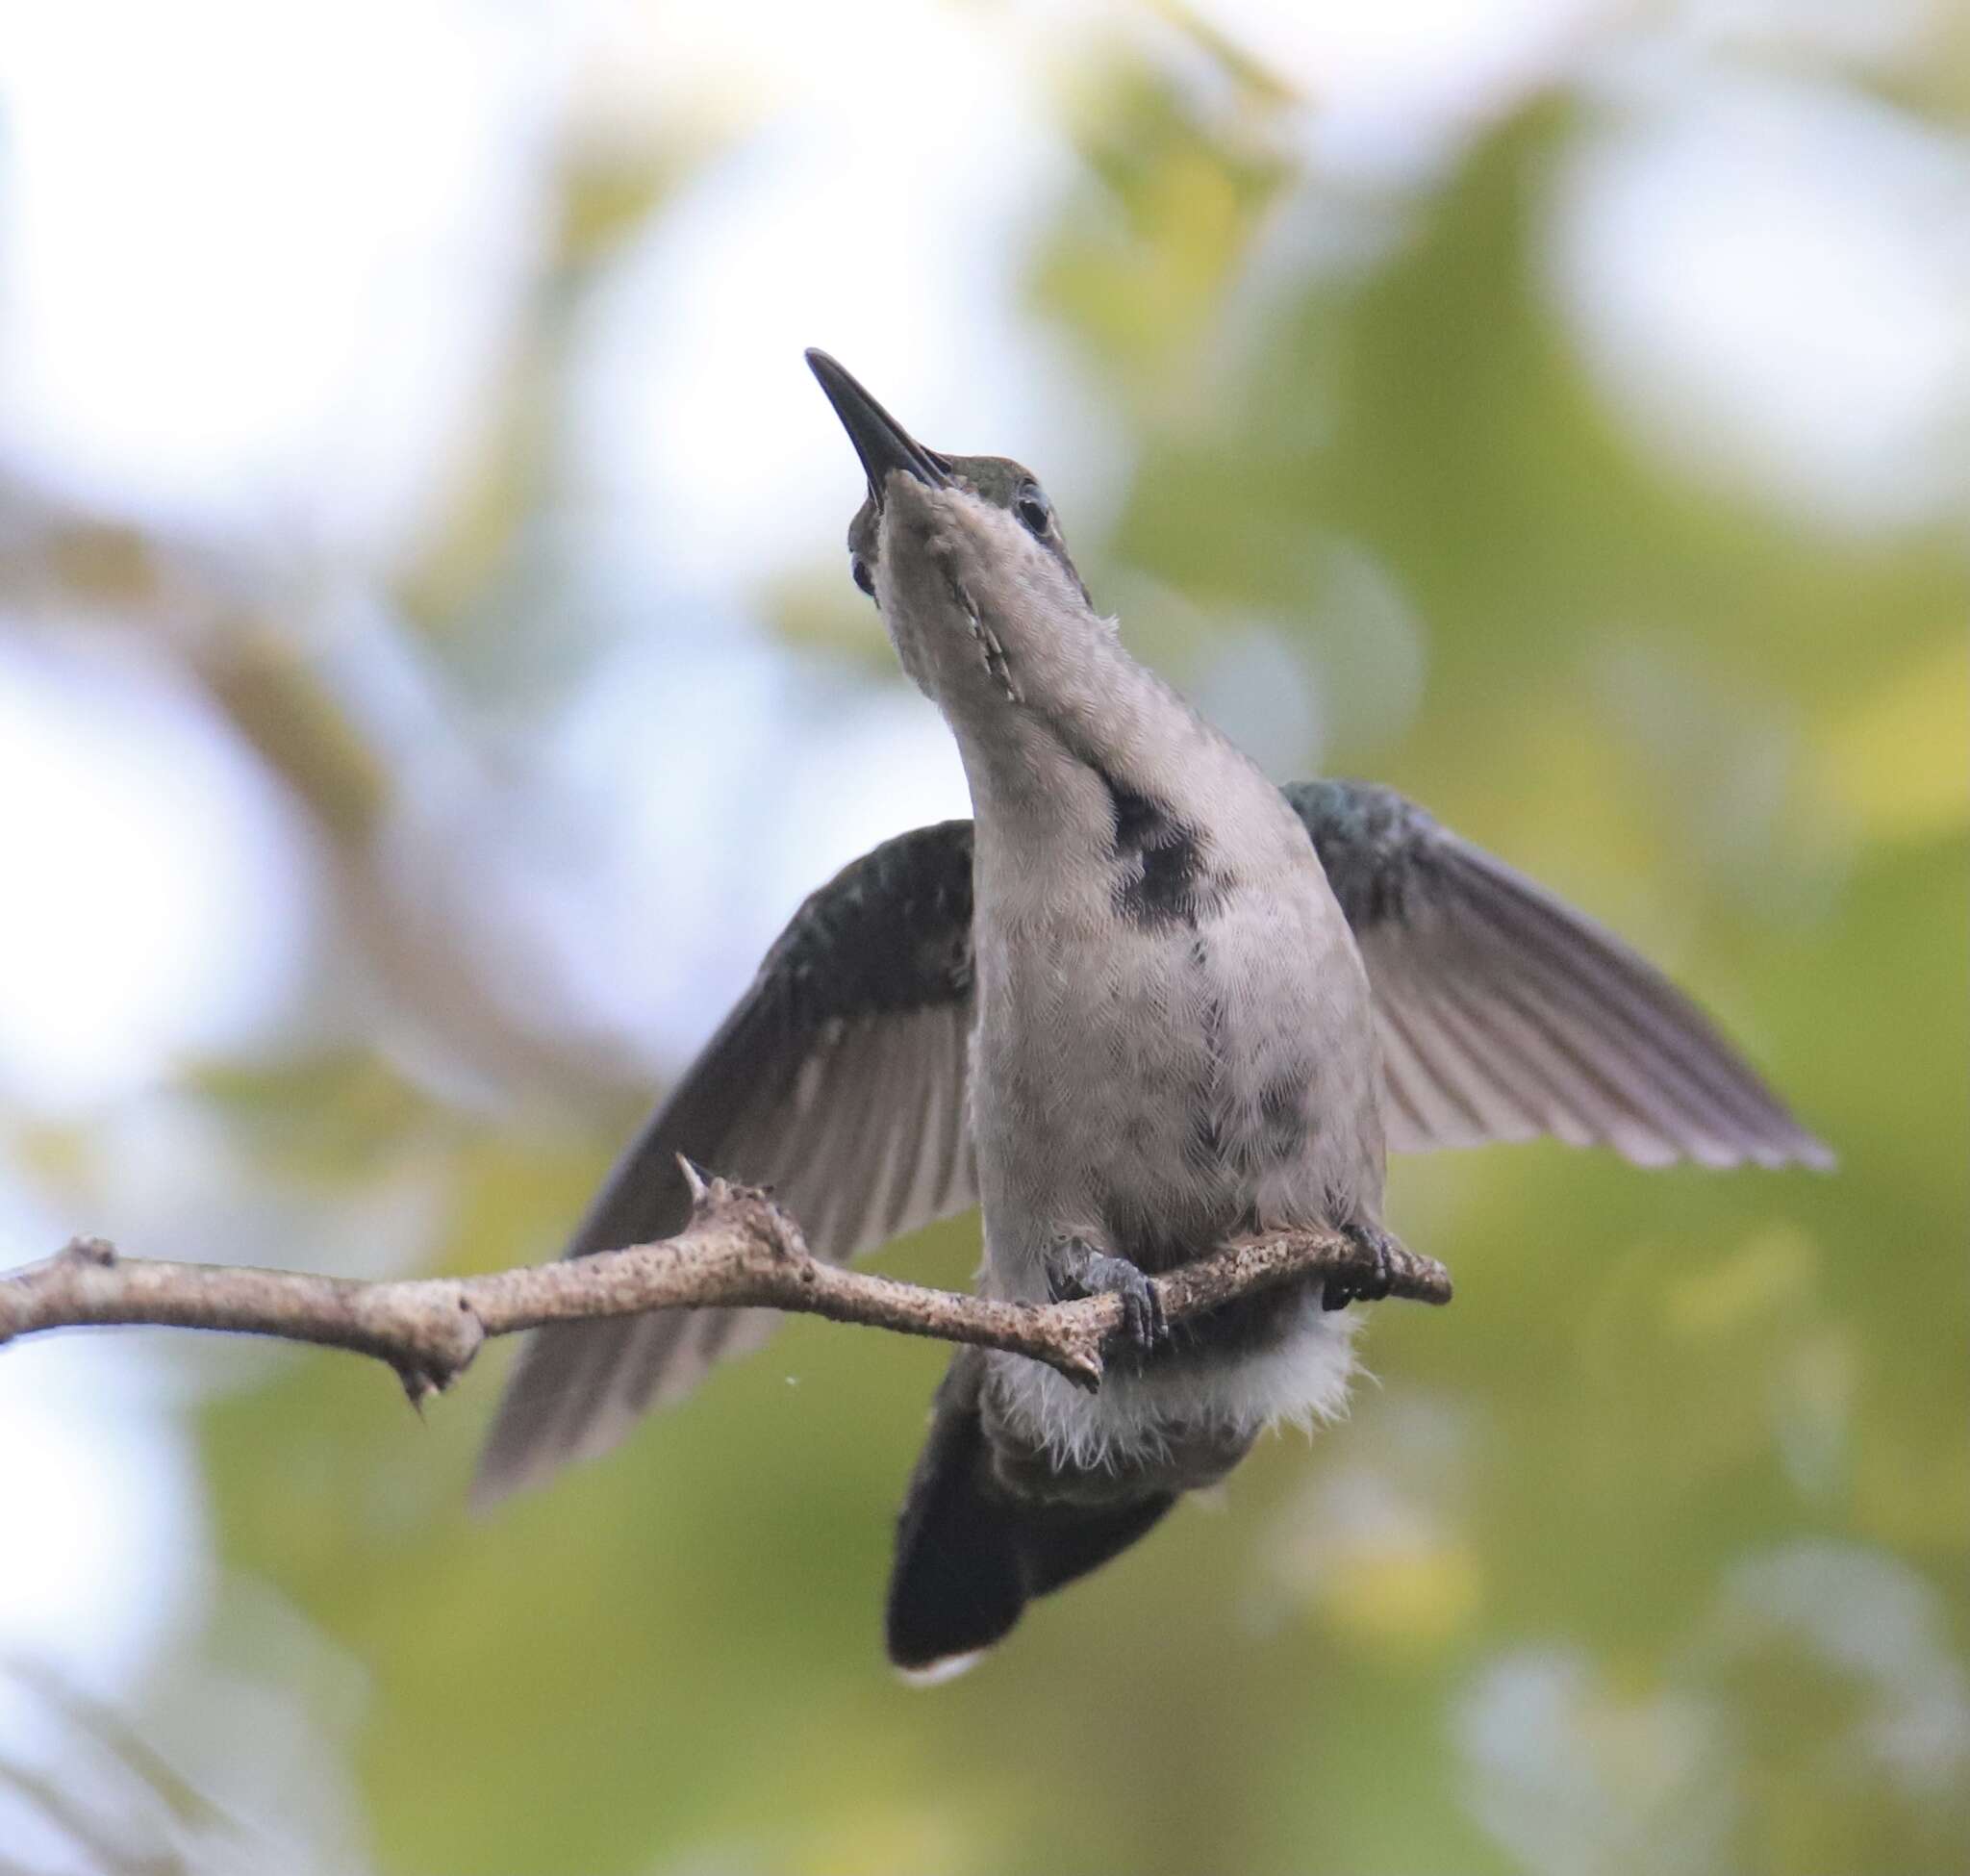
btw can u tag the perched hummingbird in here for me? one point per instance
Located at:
(1147, 1000)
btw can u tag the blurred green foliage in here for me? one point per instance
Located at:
(1650, 1553)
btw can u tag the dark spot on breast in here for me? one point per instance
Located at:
(1205, 1148)
(1165, 874)
(1283, 1118)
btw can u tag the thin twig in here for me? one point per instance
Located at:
(738, 1249)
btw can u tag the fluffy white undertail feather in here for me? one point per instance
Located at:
(1134, 1417)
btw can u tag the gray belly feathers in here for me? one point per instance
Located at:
(1218, 1081)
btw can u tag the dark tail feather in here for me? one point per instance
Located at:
(969, 1556)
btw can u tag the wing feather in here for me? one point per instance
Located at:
(838, 1081)
(1504, 1013)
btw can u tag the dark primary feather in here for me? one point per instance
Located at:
(839, 1080)
(1506, 1014)
(840, 1077)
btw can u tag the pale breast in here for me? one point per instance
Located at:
(1160, 1083)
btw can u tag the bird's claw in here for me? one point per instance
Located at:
(1075, 1269)
(1373, 1285)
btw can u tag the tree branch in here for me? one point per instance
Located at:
(738, 1249)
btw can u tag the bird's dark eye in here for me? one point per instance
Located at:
(1033, 509)
(858, 570)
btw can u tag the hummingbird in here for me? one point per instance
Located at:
(1144, 1002)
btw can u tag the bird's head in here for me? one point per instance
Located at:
(965, 557)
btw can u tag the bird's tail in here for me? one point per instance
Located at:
(971, 1554)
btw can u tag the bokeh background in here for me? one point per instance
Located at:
(429, 675)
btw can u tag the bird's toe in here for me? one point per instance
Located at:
(1372, 1283)
(1075, 1269)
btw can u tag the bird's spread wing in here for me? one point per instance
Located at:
(1505, 1014)
(839, 1080)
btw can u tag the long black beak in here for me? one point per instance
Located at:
(883, 444)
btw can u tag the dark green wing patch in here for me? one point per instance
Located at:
(1506, 1014)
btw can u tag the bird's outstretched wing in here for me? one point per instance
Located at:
(1504, 1013)
(840, 1077)
(839, 1080)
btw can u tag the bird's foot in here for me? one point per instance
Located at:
(1075, 1269)
(1373, 1285)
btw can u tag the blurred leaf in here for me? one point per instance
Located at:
(329, 1117)
(1897, 761)
(1140, 268)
